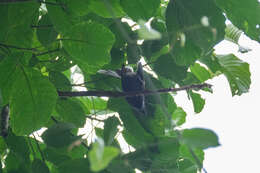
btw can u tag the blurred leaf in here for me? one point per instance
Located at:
(110, 129)
(54, 156)
(140, 9)
(200, 72)
(45, 31)
(237, 73)
(100, 156)
(60, 81)
(243, 14)
(93, 105)
(186, 166)
(198, 101)
(39, 166)
(32, 102)
(77, 7)
(59, 135)
(185, 54)
(179, 116)
(16, 20)
(19, 146)
(147, 33)
(133, 53)
(185, 16)
(71, 110)
(211, 62)
(76, 165)
(131, 124)
(89, 45)
(107, 9)
(199, 138)
(166, 67)
(186, 154)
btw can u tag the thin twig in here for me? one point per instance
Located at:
(47, 52)
(127, 94)
(16, 47)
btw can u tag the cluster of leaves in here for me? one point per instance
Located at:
(41, 40)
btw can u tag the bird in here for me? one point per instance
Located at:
(132, 82)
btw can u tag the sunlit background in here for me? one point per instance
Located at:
(236, 120)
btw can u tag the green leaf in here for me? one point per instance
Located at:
(198, 102)
(186, 154)
(32, 101)
(54, 156)
(166, 67)
(8, 75)
(77, 7)
(110, 129)
(200, 72)
(59, 135)
(147, 33)
(188, 18)
(71, 110)
(237, 72)
(89, 45)
(93, 104)
(101, 156)
(243, 14)
(16, 20)
(39, 166)
(60, 18)
(133, 128)
(107, 8)
(185, 54)
(186, 166)
(179, 116)
(76, 165)
(199, 138)
(45, 31)
(60, 81)
(140, 9)
(19, 146)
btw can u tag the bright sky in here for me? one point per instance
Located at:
(236, 120)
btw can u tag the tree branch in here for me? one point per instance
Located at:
(16, 47)
(126, 94)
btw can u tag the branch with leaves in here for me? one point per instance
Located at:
(125, 94)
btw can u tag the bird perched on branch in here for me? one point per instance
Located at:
(132, 82)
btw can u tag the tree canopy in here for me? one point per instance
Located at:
(46, 44)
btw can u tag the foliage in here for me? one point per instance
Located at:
(40, 42)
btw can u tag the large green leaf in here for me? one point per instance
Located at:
(32, 101)
(77, 7)
(71, 110)
(201, 21)
(199, 138)
(179, 116)
(140, 9)
(16, 20)
(107, 8)
(89, 45)
(243, 14)
(237, 73)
